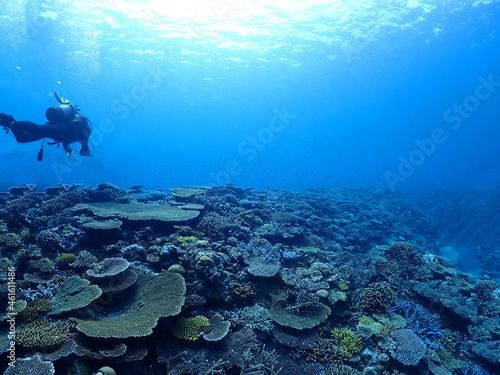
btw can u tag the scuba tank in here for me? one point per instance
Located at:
(60, 113)
(64, 112)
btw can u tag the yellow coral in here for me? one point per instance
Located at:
(349, 342)
(190, 328)
(66, 259)
(187, 239)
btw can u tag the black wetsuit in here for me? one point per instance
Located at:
(77, 130)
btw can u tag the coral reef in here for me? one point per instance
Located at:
(226, 280)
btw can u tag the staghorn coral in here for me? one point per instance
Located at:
(260, 361)
(421, 321)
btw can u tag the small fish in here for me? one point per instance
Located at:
(356, 294)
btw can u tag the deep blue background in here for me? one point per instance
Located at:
(364, 80)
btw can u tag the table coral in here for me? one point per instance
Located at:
(154, 297)
(74, 293)
(288, 318)
(31, 365)
(138, 211)
(108, 267)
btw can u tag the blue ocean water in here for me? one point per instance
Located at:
(330, 108)
(287, 94)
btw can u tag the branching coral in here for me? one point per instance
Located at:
(349, 342)
(44, 333)
(256, 317)
(377, 297)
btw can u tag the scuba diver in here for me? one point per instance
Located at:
(65, 125)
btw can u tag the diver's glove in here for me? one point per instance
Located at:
(6, 120)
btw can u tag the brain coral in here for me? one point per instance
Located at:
(154, 297)
(139, 211)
